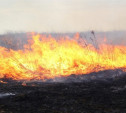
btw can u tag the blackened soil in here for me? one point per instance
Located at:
(85, 97)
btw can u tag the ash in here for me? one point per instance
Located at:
(101, 92)
(5, 94)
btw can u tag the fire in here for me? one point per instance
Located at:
(48, 57)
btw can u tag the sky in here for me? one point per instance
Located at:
(62, 15)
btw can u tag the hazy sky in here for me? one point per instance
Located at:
(62, 15)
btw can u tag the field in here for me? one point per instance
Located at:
(97, 92)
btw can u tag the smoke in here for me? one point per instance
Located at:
(18, 40)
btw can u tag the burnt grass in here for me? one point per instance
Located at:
(95, 96)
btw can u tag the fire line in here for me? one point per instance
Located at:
(48, 57)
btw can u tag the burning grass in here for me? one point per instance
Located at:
(47, 57)
(77, 76)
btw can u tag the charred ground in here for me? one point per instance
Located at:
(99, 95)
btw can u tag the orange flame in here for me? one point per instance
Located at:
(47, 57)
